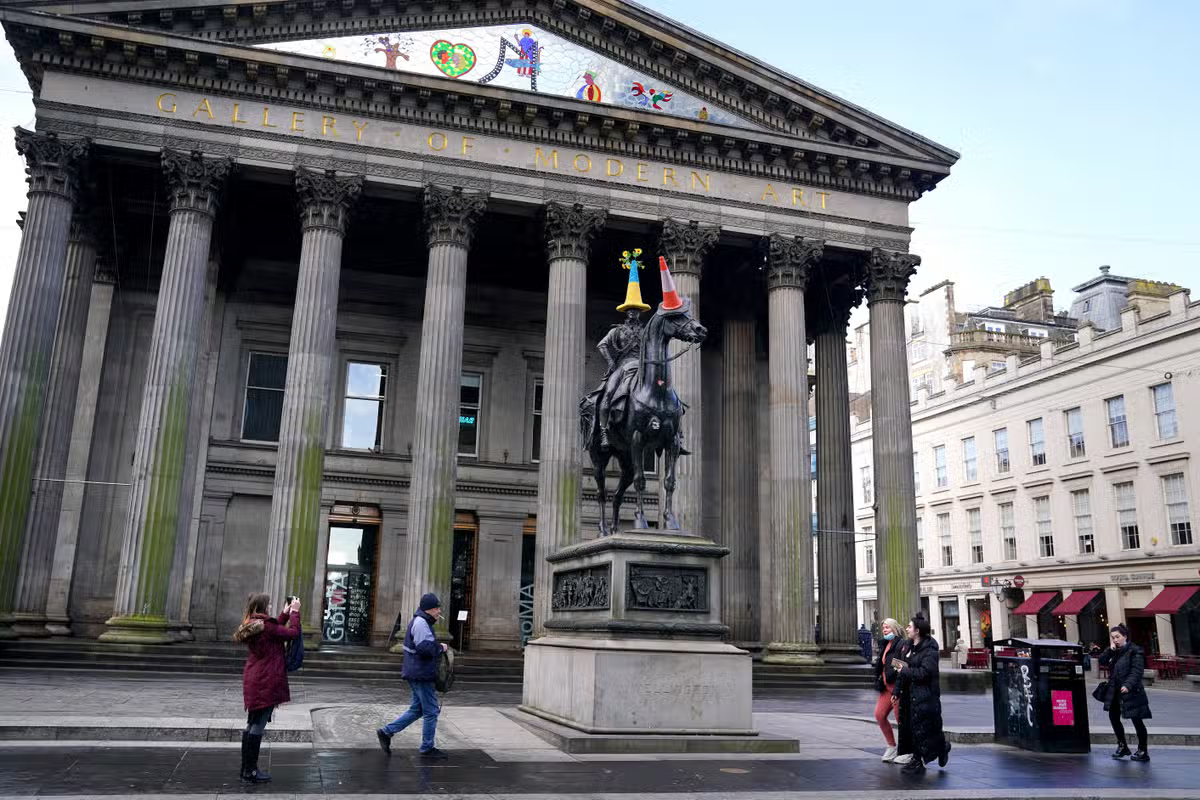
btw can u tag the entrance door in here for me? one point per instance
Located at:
(462, 578)
(350, 583)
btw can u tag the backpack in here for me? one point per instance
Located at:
(293, 653)
(443, 680)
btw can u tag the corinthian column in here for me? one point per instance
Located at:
(835, 483)
(25, 352)
(569, 232)
(42, 527)
(790, 638)
(325, 202)
(685, 247)
(888, 274)
(739, 482)
(450, 219)
(161, 454)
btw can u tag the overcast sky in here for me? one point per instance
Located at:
(1077, 121)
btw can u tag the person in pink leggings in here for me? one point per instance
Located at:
(885, 676)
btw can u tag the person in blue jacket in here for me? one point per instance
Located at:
(421, 653)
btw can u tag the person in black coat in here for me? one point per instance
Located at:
(1125, 695)
(920, 706)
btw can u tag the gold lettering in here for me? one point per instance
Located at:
(266, 123)
(798, 197)
(641, 171)
(164, 96)
(540, 158)
(328, 124)
(701, 181)
(205, 107)
(467, 143)
(359, 128)
(770, 191)
(298, 121)
(608, 168)
(236, 119)
(822, 195)
(669, 172)
(440, 138)
(586, 160)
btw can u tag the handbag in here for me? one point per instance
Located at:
(1100, 691)
(443, 679)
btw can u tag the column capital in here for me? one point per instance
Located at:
(686, 245)
(569, 230)
(888, 273)
(790, 260)
(326, 200)
(51, 164)
(451, 215)
(195, 183)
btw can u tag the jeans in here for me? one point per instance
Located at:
(1114, 716)
(256, 720)
(425, 707)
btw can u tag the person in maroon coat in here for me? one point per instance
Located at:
(264, 678)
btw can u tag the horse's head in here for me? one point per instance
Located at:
(680, 324)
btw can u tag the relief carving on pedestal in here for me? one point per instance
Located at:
(584, 589)
(654, 588)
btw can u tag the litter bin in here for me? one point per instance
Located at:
(1039, 696)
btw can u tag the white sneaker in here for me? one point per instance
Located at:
(888, 755)
(904, 759)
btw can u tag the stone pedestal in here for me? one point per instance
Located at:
(633, 645)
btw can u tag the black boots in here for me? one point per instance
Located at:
(1140, 755)
(1122, 750)
(915, 766)
(250, 771)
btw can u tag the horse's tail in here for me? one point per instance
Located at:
(587, 421)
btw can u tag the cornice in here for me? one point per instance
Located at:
(796, 151)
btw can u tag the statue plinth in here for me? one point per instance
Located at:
(634, 645)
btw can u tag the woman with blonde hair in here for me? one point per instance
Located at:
(264, 678)
(885, 678)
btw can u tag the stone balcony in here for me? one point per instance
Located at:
(994, 342)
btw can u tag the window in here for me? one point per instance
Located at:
(916, 473)
(945, 537)
(1008, 531)
(1037, 442)
(1178, 516)
(1038, 333)
(1118, 428)
(870, 559)
(539, 390)
(867, 487)
(1081, 507)
(997, 366)
(939, 461)
(970, 464)
(470, 392)
(1131, 538)
(975, 529)
(266, 375)
(915, 326)
(920, 543)
(812, 463)
(1041, 514)
(362, 417)
(1003, 463)
(1164, 411)
(994, 327)
(1075, 443)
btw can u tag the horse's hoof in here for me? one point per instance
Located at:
(670, 523)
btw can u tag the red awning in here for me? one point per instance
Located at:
(1077, 601)
(1170, 599)
(1034, 603)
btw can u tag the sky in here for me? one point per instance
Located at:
(1077, 122)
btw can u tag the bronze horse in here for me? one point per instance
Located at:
(645, 418)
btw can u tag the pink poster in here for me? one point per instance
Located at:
(1062, 707)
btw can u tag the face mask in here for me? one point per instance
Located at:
(889, 636)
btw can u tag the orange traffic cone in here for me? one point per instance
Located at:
(671, 299)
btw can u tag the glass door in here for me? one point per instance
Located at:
(350, 584)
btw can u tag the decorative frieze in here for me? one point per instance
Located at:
(195, 183)
(586, 589)
(51, 164)
(451, 215)
(659, 588)
(888, 273)
(325, 199)
(570, 229)
(790, 260)
(686, 245)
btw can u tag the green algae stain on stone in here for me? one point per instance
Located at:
(568, 491)
(16, 480)
(306, 506)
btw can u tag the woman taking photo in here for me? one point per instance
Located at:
(1125, 696)
(264, 678)
(920, 707)
(885, 679)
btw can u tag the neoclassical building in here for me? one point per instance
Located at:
(309, 290)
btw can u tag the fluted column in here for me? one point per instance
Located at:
(325, 203)
(450, 219)
(685, 247)
(160, 450)
(26, 350)
(739, 481)
(569, 232)
(42, 527)
(790, 638)
(836, 568)
(888, 274)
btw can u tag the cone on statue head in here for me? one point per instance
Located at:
(633, 291)
(671, 299)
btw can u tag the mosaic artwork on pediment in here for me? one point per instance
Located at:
(516, 57)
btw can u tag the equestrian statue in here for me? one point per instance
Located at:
(635, 410)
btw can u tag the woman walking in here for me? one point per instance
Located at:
(885, 679)
(920, 707)
(1125, 695)
(264, 678)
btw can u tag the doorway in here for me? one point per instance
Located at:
(350, 564)
(462, 578)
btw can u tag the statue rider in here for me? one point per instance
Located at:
(620, 350)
